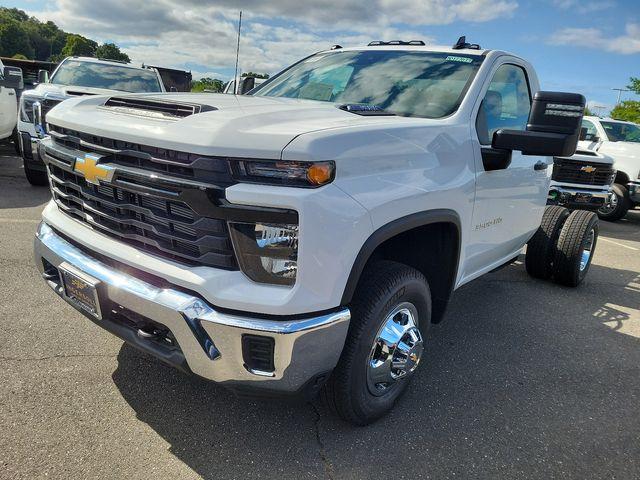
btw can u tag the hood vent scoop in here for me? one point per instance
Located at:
(156, 108)
(75, 93)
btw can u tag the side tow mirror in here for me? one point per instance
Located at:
(246, 84)
(12, 78)
(553, 128)
(43, 76)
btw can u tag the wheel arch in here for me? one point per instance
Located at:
(621, 178)
(440, 233)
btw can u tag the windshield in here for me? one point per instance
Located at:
(621, 132)
(112, 77)
(414, 84)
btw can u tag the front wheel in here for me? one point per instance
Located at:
(618, 206)
(36, 178)
(390, 314)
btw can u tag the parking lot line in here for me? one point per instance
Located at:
(619, 244)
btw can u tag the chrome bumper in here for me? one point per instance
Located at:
(562, 195)
(209, 342)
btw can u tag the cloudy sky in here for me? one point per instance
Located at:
(590, 46)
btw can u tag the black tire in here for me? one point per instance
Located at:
(36, 178)
(541, 249)
(16, 141)
(384, 286)
(620, 204)
(575, 238)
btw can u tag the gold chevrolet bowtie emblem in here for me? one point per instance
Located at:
(588, 169)
(93, 173)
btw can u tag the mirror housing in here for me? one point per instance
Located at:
(12, 78)
(246, 84)
(43, 76)
(553, 128)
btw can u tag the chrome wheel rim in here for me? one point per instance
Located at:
(611, 206)
(396, 350)
(587, 250)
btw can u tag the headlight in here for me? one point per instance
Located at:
(26, 108)
(267, 253)
(284, 172)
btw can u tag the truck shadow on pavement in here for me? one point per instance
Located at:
(514, 384)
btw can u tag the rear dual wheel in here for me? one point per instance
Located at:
(563, 246)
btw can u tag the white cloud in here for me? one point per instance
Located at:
(275, 33)
(628, 43)
(580, 6)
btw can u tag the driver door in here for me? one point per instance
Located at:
(511, 188)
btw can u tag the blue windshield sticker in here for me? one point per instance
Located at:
(453, 58)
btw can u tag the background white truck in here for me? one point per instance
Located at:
(621, 141)
(583, 180)
(74, 76)
(303, 238)
(10, 82)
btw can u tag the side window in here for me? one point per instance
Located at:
(591, 131)
(506, 104)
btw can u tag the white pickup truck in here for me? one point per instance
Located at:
(10, 81)
(620, 141)
(303, 238)
(74, 76)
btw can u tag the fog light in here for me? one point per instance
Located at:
(267, 253)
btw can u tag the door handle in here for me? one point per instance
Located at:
(540, 165)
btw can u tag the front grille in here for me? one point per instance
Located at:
(183, 220)
(207, 169)
(572, 171)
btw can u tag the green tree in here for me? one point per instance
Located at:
(77, 45)
(628, 110)
(634, 85)
(255, 75)
(111, 51)
(13, 38)
(210, 84)
(19, 56)
(588, 112)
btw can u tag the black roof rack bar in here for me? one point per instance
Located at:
(378, 43)
(336, 47)
(462, 43)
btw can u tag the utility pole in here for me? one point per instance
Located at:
(620, 90)
(598, 109)
(235, 74)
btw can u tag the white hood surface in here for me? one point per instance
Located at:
(240, 126)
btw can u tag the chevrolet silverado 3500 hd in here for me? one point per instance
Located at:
(621, 141)
(304, 237)
(73, 77)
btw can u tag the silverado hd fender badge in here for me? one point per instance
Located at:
(588, 169)
(93, 173)
(488, 223)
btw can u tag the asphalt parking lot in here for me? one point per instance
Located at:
(524, 379)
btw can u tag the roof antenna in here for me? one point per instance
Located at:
(462, 43)
(235, 73)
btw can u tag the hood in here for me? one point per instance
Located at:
(66, 91)
(228, 125)
(626, 156)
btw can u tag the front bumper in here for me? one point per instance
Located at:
(580, 198)
(634, 191)
(208, 342)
